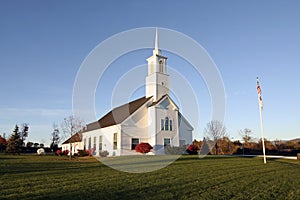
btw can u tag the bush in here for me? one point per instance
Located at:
(58, 152)
(82, 153)
(65, 152)
(143, 148)
(192, 149)
(90, 151)
(103, 153)
(175, 150)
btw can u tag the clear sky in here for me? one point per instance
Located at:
(43, 43)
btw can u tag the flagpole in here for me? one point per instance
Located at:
(261, 119)
(262, 135)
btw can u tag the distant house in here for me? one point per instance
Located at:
(154, 119)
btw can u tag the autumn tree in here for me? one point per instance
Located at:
(70, 126)
(197, 143)
(215, 130)
(226, 146)
(290, 145)
(3, 143)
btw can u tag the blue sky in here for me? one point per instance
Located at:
(43, 43)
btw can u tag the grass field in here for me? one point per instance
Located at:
(50, 177)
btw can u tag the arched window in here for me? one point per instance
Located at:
(171, 125)
(166, 124)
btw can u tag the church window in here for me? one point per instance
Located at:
(166, 123)
(90, 143)
(94, 144)
(100, 143)
(84, 144)
(115, 141)
(134, 142)
(167, 142)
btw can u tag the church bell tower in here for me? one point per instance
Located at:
(157, 81)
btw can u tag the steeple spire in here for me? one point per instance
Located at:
(156, 40)
(156, 50)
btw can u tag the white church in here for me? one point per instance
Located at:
(154, 119)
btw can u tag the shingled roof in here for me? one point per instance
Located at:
(74, 138)
(117, 115)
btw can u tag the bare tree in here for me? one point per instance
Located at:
(55, 138)
(70, 126)
(246, 135)
(215, 130)
(24, 133)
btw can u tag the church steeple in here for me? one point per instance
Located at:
(156, 50)
(157, 81)
(156, 39)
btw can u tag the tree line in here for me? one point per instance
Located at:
(217, 141)
(15, 143)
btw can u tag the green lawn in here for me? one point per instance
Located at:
(51, 177)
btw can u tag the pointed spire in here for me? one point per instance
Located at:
(156, 50)
(156, 39)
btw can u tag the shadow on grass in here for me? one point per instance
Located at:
(9, 158)
(32, 164)
(184, 158)
(286, 161)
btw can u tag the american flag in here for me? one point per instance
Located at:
(259, 94)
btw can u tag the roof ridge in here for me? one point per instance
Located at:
(118, 115)
(126, 104)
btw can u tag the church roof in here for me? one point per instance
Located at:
(117, 115)
(74, 138)
(161, 98)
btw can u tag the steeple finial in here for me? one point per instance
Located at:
(156, 40)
